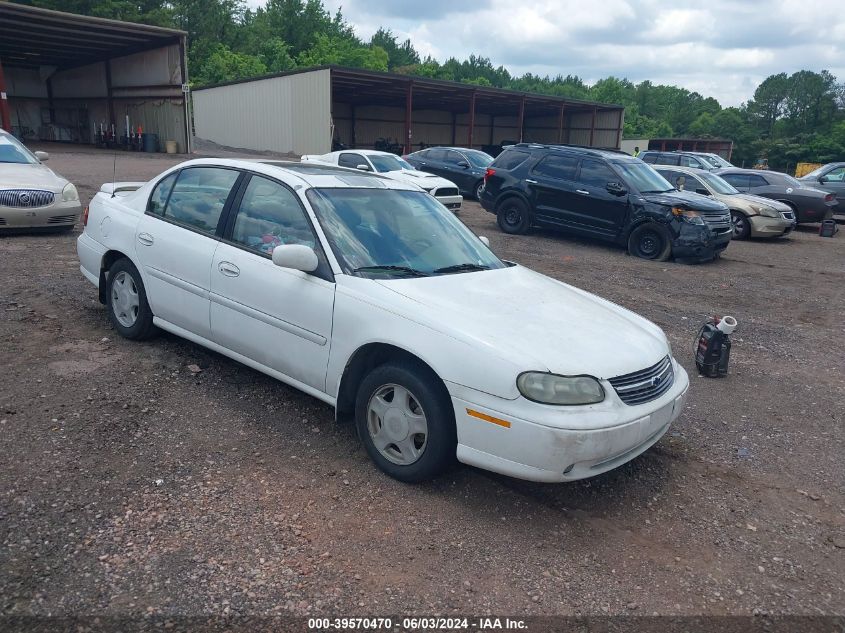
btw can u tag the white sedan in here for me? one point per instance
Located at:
(396, 168)
(33, 196)
(367, 294)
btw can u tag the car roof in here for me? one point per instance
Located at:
(692, 170)
(591, 151)
(365, 152)
(305, 174)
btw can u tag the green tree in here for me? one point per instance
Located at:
(343, 51)
(398, 55)
(223, 64)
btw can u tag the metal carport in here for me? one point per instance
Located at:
(63, 75)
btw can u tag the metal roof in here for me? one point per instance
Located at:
(32, 37)
(366, 87)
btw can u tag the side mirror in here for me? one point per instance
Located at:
(484, 241)
(42, 156)
(463, 164)
(296, 256)
(362, 167)
(616, 188)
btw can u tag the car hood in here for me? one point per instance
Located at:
(34, 176)
(419, 178)
(763, 202)
(691, 200)
(517, 313)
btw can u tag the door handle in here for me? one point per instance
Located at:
(530, 182)
(228, 269)
(583, 192)
(146, 239)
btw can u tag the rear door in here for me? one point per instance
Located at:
(175, 243)
(278, 317)
(433, 161)
(552, 188)
(594, 208)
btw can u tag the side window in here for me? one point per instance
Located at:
(270, 215)
(351, 160)
(757, 181)
(675, 178)
(199, 196)
(160, 194)
(436, 154)
(688, 161)
(510, 159)
(695, 185)
(649, 158)
(595, 173)
(740, 181)
(453, 157)
(835, 175)
(557, 166)
(667, 159)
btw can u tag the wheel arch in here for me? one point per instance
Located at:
(109, 258)
(361, 362)
(512, 193)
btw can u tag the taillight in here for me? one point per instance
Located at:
(490, 171)
(85, 217)
(828, 197)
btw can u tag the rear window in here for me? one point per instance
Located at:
(510, 159)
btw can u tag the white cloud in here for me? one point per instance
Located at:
(720, 48)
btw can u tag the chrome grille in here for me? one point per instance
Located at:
(61, 219)
(446, 191)
(2, 221)
(645, 385)
(26, 198)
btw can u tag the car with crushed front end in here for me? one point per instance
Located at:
(606, 195)
(33, 196)
(367, 294)
(751, 216)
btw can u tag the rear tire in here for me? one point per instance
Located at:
(513, 217)
(478, 189)
(650, 241)
(406, 421)
(126, 300)
(741, 225)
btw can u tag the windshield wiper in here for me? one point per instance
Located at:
(459, 268)
(657, 191)
(399, 269)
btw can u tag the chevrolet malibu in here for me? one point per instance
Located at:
(368, 294)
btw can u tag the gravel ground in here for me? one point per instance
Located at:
(132, 485)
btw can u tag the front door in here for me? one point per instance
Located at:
(834, 182)
(175, 243)
(278, 317)
(594, 209)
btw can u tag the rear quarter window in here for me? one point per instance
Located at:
(510, 159)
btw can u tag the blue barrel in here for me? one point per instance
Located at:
(150, 142)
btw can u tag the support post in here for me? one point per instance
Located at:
(560, 125)
(619, 130)
(521, 116)
(189, 134)
(50, 104)
(409, 102)
(352, 140)
(593, 125)
(471, 119)
(109, 93)
(454, 127)
(5, 113)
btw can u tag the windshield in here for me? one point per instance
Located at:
(643, 178)
(716, 160)
(388, 163)
(378, 233)
(11, 151)
(478, 159)
(718, 184)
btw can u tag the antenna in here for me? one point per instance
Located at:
(114, 175)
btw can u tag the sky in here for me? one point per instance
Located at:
(719, 48)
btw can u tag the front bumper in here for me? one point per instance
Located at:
(57, 215)
(555, 444)
(764, 226)
(452, 203)
(700, 242)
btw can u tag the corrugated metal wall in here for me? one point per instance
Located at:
(290, 114)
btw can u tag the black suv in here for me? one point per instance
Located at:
(604, 194)
(678, 158)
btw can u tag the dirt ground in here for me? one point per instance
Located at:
(130, 485)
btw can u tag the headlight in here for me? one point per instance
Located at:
(686, 215)
(69, 193)
(554, 389)
(769, 212)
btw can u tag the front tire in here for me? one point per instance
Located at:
(513, 217)
(406, 422)
(129, 310)
(650, 241)
(741, 225)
